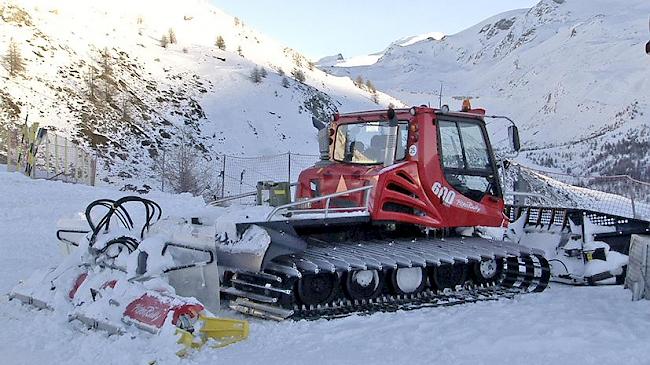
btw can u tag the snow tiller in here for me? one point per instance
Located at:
(391, 218)
(120, 279)
(583, 247)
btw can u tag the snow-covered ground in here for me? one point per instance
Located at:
(563, 325)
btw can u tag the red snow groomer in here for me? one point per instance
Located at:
(385, 221)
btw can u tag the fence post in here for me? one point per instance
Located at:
(56, 154)
(93, 170)
(76, 165)
(520, 185)
(289, 169)
(12, 149)
(631, 187)
(65, 158)
(47, 156)
(223, 177)
(241, 179)
(83, 173)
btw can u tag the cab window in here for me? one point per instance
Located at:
(466, 158)
(365, 143)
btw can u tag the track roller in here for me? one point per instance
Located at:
(408, 280)
(487, 271)
(314, 289)
(447, 276)
(363, 284)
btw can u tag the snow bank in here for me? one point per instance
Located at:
(563, 325)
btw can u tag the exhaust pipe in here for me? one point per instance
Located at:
(391, 141)
(323, 138)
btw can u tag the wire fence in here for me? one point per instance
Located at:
(619, 195)
(42, 154)
(241, 174)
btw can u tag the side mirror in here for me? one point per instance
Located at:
(513, 133)
(647, 48)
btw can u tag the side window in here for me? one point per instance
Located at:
(466, 159)
(452, 151)
(476, 150)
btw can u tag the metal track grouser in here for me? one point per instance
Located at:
(329, 281)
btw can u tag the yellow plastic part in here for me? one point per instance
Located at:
(221, 331)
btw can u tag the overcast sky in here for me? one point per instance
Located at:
(359, 27)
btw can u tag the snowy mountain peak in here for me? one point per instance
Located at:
(570, 72)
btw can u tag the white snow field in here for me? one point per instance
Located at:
(563, 325)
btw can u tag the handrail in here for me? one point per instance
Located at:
(521, 193)
(327, 199)
(218, 201)
(232, 197)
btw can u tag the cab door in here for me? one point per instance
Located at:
(470, 193)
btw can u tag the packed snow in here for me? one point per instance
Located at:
(563, 325)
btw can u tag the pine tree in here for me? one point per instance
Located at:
(171, 36)
(375, 97)
(105, 62)
(14, 61)
(263, 72)
(126, 106)
(256, 76)
(91, 83)
(285, 83)
(240, 52)
(298, 75)
(358, 81)
(221, 43)
(370, 86)
(164, 41)
(297, 59)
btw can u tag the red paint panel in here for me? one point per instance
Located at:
(148, 310)
(77, 283)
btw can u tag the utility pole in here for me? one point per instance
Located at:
(223, 177)
(289, 167)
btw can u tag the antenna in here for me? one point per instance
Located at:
(440, 96)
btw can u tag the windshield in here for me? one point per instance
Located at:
(365, 143)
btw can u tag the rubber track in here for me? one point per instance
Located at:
(426, 299)
(526, 273)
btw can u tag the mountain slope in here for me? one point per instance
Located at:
(101, 73)
(572, 73)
